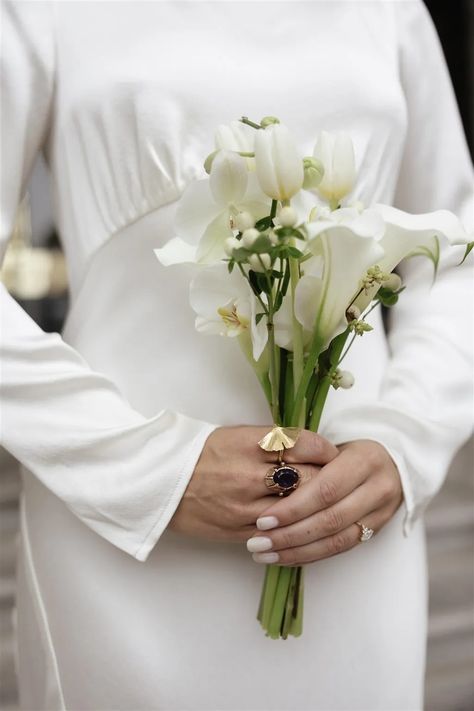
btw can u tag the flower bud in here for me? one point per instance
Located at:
(273, 237)
(313, 172)
(278, 164)
(244, 221)
(336, 152)
(230, 244)
(342, 379)
(353, 313)
(268, 121)
(393, 283)
(249, 236)
(287, 216)
(260, 262)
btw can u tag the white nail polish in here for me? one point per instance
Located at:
(267, 522)
(259, 543)
(266, 557)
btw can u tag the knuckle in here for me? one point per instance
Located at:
(288, 558)
(388, 491)
(283, 540)
(333, 520)
(337, 544)
(328, 492)
(375, 456)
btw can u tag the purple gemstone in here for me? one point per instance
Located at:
(286, 477)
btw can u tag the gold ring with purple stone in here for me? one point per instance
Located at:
(282, 479)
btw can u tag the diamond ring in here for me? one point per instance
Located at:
(366, 533)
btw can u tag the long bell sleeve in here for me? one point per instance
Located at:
(121, 473)
(424, 412)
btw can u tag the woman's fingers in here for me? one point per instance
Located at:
(326, 547)
(322, 524)
(311, 448)
(335, 481)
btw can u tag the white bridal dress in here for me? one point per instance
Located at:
(115, 612)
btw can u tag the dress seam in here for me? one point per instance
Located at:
(40, 604)
(145, 542)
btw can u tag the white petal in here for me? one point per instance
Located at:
(196, 209)
(235, 136)
(308, 300)
(228, 178)
(405, 232)
(211, 247)
(176, 251)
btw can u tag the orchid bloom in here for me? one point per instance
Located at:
(225, 305)
(206, 209)
(336, 153)
(239, 137)
(278, 164)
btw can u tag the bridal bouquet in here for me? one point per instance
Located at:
(291, 270)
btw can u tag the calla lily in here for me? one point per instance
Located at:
(366, 223)
(343, 257)
(278, 163)
(225, 305)
(336, 153)
(407, 234)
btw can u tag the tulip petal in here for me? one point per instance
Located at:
(278, 164)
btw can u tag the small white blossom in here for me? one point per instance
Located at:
(260, 262)
(393, 283)
(243, 221)
(230, 244)
(287, 216)
(249, 236)
(342, 379)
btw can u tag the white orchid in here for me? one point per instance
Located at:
(278, 163)
(237, 136)
(225, 305)
(336, 153)
(204, 216)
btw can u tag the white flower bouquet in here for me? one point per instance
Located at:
(291, 271)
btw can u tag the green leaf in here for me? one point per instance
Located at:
(469, 248)
(240, 255)
(286, 280)
(230, 266)
(386, 297)
(254, 283)
(293, 252)
(259, 317)
(278, 301)
(262, 282)
(263, 224)
(261, 245)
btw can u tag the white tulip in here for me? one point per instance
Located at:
(278, 164)
(336, 153)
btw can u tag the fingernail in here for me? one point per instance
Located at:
(267, 522)
(259, 543)
(266, 557)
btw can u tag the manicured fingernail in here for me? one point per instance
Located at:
(266, 557)
(267, 522)
(259, 543)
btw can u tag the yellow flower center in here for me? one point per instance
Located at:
(233, 321)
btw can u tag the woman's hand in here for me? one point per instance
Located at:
(227, 492)
(317, 520)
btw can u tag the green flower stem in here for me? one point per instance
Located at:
(274, 382)
(298, 359)
(318, 403)
(279, 603)
(272, 575)
(273, 210)
(246, 120)
(296, 626)
(315, 350)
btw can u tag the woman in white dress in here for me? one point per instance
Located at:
(135, 587)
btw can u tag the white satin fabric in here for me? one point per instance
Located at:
(109, 419)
